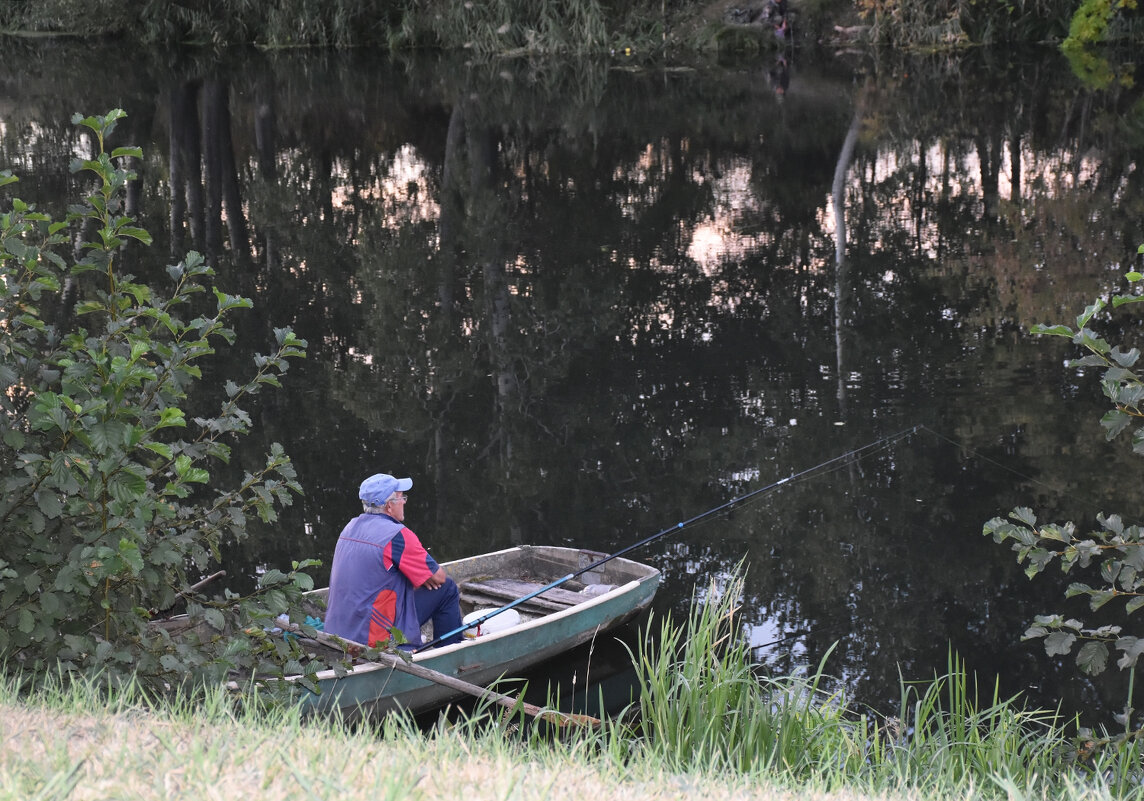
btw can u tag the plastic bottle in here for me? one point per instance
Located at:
(505, 620)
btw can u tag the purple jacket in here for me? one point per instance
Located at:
(378, 563)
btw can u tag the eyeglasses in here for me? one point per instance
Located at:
(398, 499)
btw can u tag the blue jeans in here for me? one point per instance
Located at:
(443, 606)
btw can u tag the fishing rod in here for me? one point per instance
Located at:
(670, 530)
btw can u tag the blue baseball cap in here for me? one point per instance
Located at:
(376, 489)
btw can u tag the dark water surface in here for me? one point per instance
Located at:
(581, 301)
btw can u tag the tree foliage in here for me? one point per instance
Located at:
(1093, 24)
(106, 495)
(1115, 550)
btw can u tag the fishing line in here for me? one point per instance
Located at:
(978, 455)
(834, 463)
(971, 452)
(802, 633)
(824, 469)
(1035, 481)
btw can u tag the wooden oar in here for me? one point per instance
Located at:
(420, 671)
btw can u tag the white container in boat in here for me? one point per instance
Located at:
(505, 620)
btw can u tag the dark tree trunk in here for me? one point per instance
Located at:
(265, 138)
(188, 151)
(212, 163)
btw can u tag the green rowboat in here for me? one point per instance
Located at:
(553, 622)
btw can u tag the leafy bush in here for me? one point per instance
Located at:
(105, 496)
(1094, 23)
(1112, 553)
(1115, 549)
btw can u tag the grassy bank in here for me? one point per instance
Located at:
(706, 727)
(72, 746)
(75, 745)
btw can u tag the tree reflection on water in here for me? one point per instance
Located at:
(579, 302)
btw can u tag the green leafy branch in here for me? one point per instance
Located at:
(1115, 550)
(1120, 383)
(103, 503)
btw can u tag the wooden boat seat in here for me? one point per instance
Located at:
(490, 591)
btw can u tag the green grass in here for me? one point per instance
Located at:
(706, 727)
(76, 742)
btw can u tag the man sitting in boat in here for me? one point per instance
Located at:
(383, 578)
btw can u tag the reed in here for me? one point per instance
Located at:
(702, 705)
(703, 709)
(942, 736)
(486, 28)
(921, 24)
(496, 28)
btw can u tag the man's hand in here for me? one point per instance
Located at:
(436, 580)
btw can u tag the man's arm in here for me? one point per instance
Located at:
(415, 562)
(436, 580)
